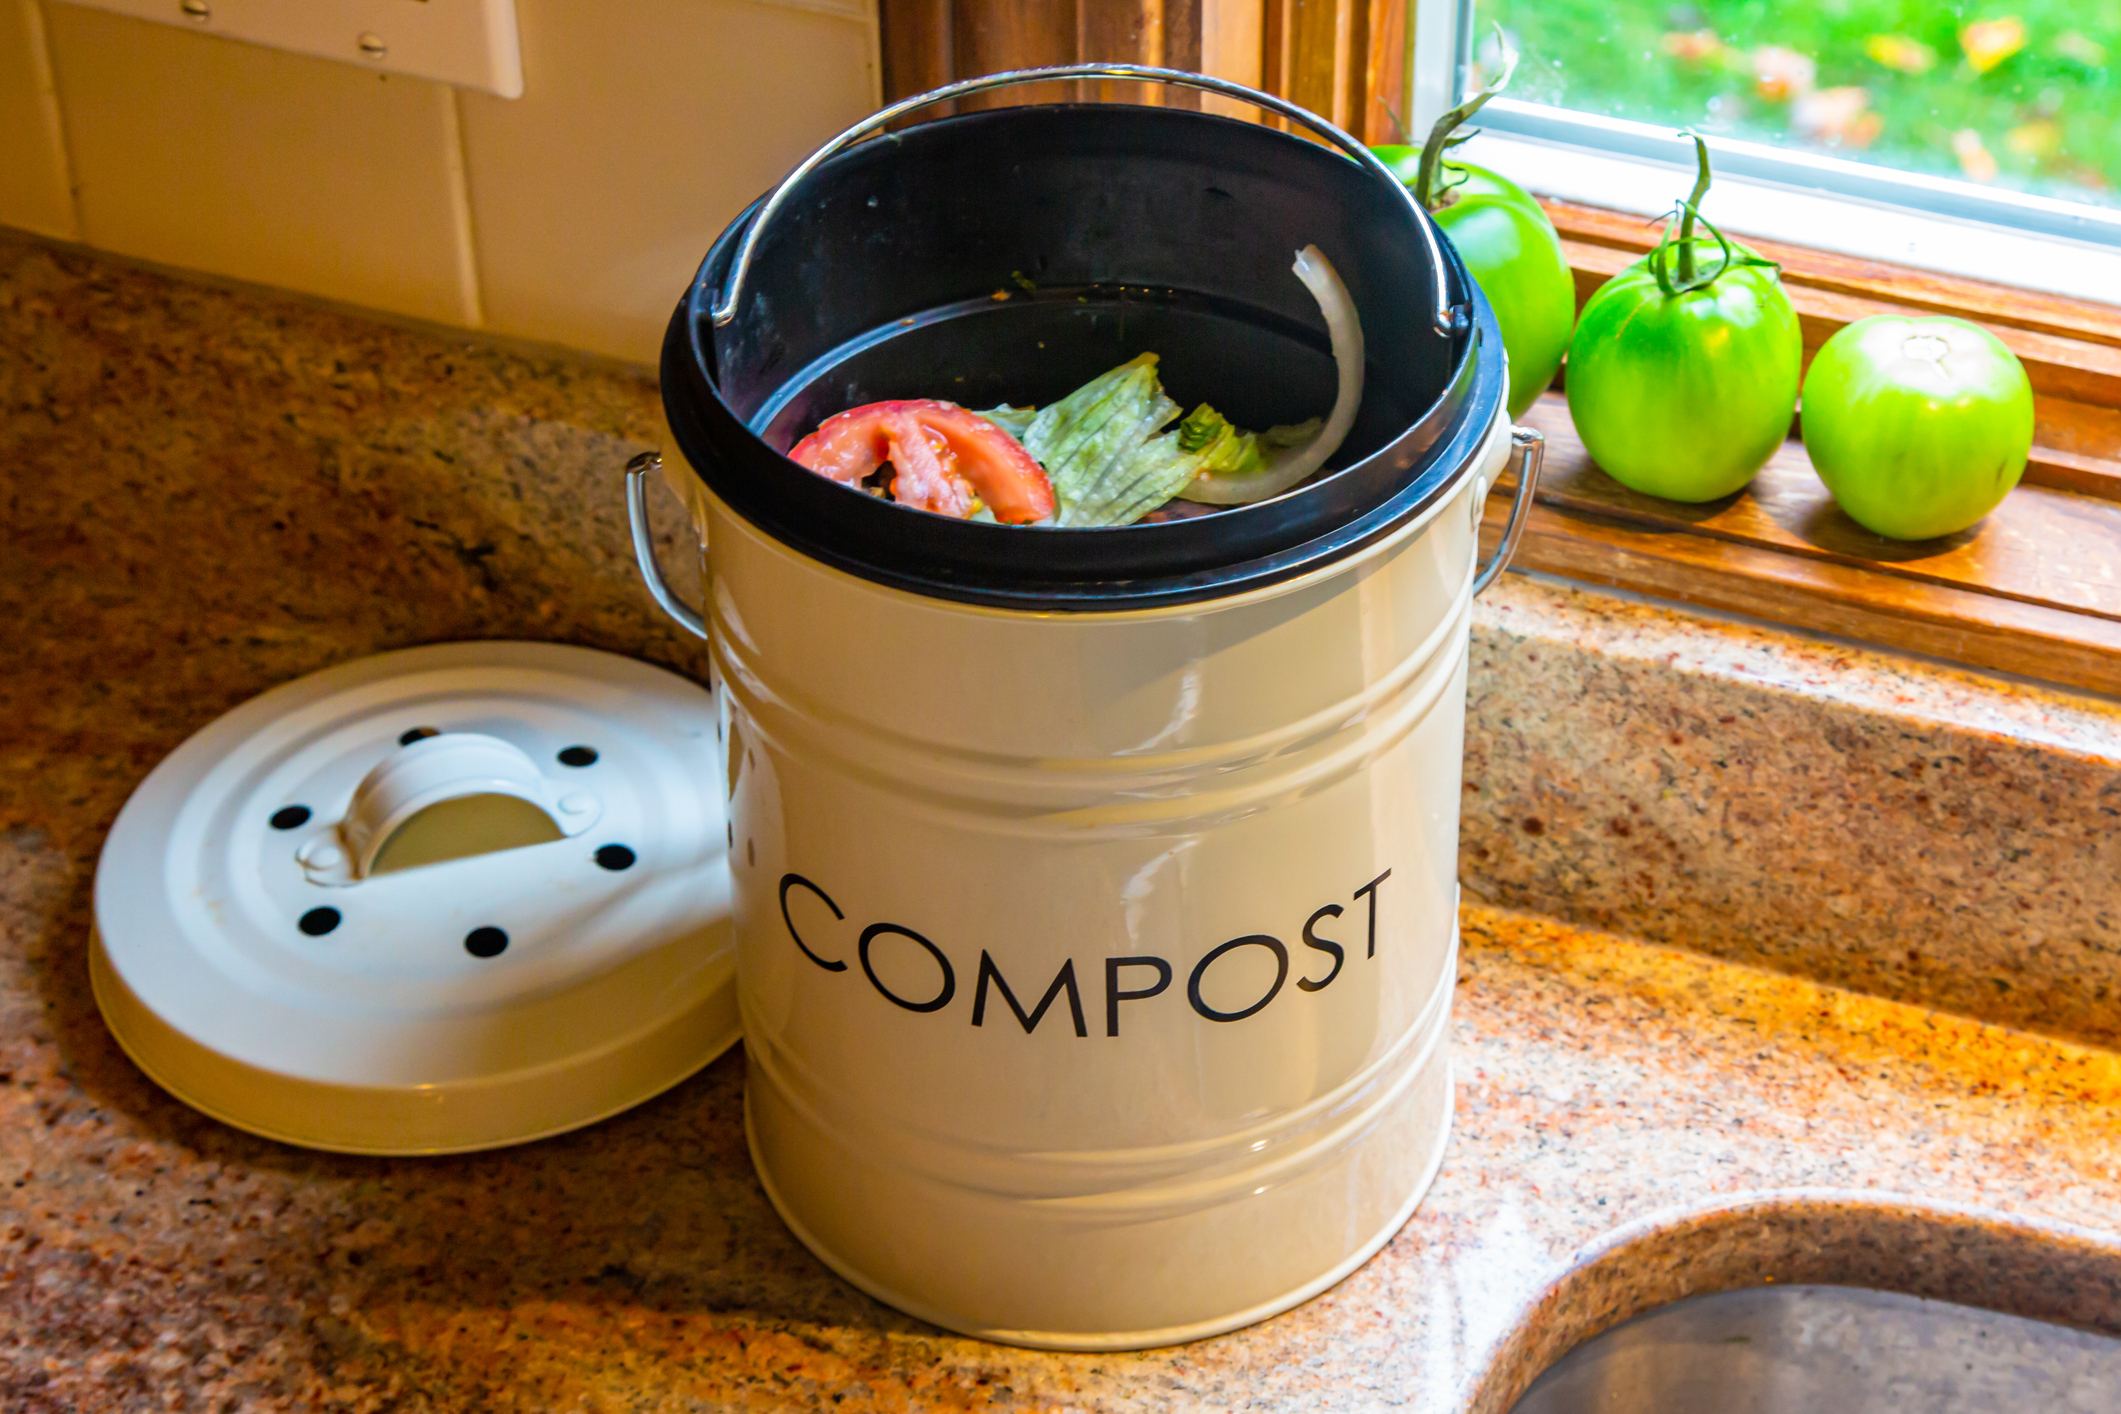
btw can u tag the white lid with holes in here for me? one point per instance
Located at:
(435, 900)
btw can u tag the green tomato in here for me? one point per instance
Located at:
(1512, 250)
(1918, 426)
(1687, 395)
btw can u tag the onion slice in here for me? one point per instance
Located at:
(1287, 466)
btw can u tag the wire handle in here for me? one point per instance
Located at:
(1528, 448)
(1449, 321)
(687, 617)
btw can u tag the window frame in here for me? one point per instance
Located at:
(1856, 208)
(2034, 591)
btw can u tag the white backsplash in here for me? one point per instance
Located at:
(573, 214)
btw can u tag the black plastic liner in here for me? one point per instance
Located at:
(1011, 256)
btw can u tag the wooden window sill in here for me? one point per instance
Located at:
(2034, 589)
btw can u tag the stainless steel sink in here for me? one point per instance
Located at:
(1831, 1350)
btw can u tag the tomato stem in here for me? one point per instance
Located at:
(1691, 208)
(1674, 262)
(1444, 135)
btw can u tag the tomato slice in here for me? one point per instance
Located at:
(943, 459)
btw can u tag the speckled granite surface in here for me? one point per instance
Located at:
(150, 1258)
(1891, 826)
(207, 493)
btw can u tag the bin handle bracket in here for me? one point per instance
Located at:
(1528, 449)
(688, 618)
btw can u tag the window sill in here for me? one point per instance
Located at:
(2035, 589)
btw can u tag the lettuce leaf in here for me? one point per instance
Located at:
(1014, 421)
(1105, 451)
(1289, 456)
(1110, 457)
(1225, 450)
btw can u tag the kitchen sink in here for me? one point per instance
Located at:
(1830, 1350)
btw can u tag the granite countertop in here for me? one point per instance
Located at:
(210, 491)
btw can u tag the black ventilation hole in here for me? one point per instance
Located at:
(615, 857)
(485, 942)
(287, 817)
(579, 756)
(319, 921)
(407, 738)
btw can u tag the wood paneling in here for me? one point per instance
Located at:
(989, 38)
(1337, 58)
(1344, 59)
(1385, 73)
(918, 51)
(927, 43)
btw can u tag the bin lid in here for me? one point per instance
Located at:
(440, 899)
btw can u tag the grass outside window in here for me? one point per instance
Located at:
(2024, 94)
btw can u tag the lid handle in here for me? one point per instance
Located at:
(447, 796)
(1449, 320)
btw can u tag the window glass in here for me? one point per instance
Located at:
(2023, 94)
